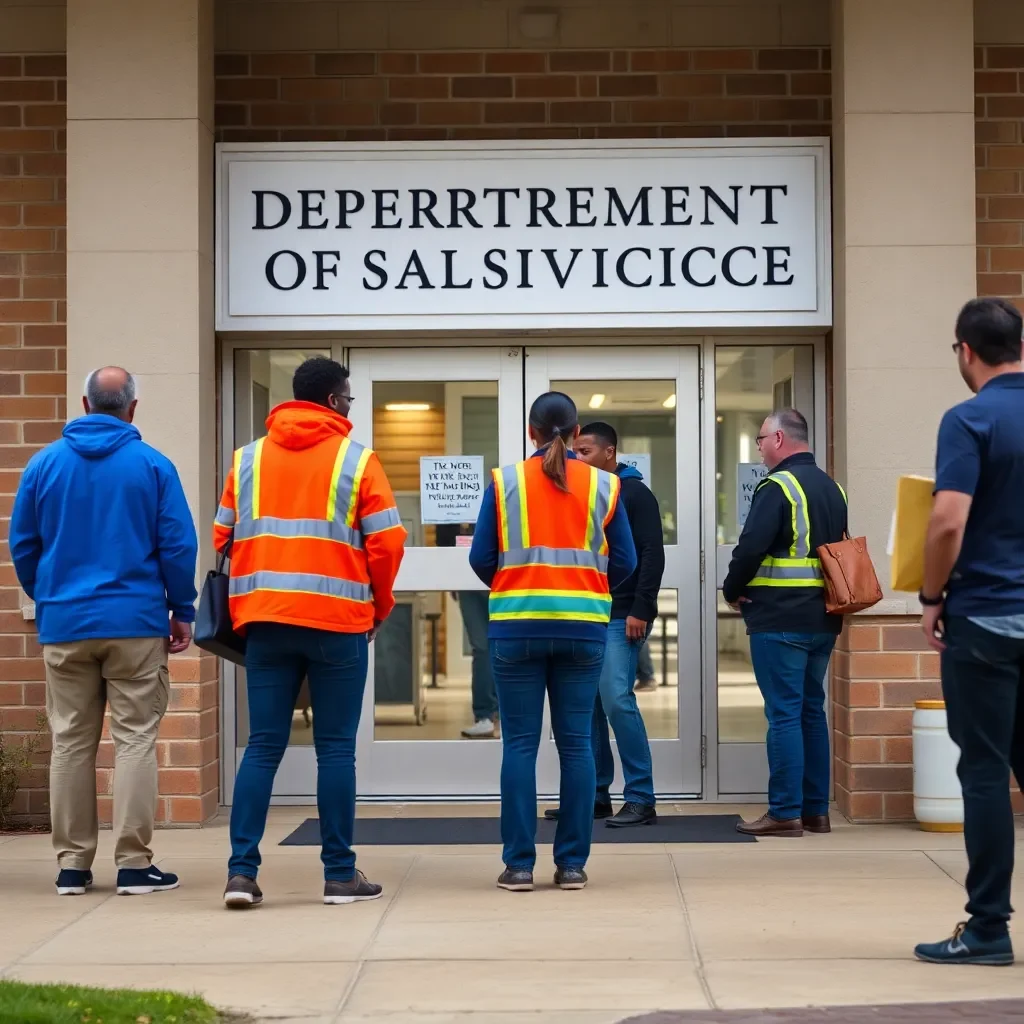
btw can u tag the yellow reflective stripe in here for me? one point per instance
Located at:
(801, 563)
(807, 510)
(842, 491)
(755, 582)
(237, 471)
(332, 494)
(588, 540)
(590, 595)
(558, 616)
(499, 495)
(257, 456)
(524, 517)
(613, 500)
(353, 502)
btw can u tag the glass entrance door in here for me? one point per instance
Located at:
(751, 380)
(651, 396)
(439, 420)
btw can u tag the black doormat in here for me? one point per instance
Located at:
(674, 828)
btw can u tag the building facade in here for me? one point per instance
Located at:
(134, 140)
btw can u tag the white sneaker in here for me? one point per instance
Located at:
(482, 729)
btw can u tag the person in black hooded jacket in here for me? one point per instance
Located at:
(634, 609)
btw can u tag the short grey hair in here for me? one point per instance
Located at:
(113, 402)
(792, 423)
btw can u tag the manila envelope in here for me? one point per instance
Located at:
(910, 527)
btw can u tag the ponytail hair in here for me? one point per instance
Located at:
(553, 420)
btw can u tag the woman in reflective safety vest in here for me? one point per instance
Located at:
(551, 542)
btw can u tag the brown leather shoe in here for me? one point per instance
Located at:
(766, 825)
(818, 823)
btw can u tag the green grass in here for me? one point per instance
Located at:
(74, 1004)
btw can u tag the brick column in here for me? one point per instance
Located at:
(140, 287)
(904, 263)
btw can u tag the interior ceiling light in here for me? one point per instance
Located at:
(596, 401)
(670, 402)
(408, 407)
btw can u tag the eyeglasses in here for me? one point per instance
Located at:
(345, 398)
(957, 345)
(764, 437)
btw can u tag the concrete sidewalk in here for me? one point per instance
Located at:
(826, 920)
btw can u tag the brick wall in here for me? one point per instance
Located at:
(881, 667)
(999, 131)
(267, 97)
(32, 413)
(32, 349)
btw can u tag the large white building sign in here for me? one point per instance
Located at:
(488, 235)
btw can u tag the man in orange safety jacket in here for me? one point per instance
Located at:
(315, 544)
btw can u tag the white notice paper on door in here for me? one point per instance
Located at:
(641, 463)
(451, 488)
(748, 476)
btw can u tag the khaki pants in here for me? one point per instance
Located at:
(81, 679)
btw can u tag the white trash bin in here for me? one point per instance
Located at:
(938, 799)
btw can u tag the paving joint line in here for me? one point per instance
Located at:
(346, 994)
(694, 947)
(5, 971)
(945, 871)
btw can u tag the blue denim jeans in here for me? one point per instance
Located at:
(645, 663)
(616, 703)
(473, 604)
(568, 671)
(790, 670)
(277, 659)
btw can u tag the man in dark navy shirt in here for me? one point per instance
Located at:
(973, 598)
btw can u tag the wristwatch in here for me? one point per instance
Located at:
(931, 602)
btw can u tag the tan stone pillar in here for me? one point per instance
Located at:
(903, 86)
(140, 282)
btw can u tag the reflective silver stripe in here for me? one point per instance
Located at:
(347, 480)
(317, 528)
(225, 516)
(552, 556)
(299, 582)
(802, 528)
(513, 507)
(245, 483)
(377, 522)
(602, 502)
(775, 571)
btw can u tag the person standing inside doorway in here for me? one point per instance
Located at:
(775, 581)
(552, 540)
(103, 541)
(473, 607)
(634, 609)
(973, 598)
(315, 541)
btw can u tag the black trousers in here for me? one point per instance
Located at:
(983, 684)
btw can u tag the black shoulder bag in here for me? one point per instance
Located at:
(213, 630)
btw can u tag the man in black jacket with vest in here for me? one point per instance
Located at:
(775, 581)
(634, 609)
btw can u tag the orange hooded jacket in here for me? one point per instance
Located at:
(315, 536)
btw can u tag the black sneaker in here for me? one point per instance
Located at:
(601, 810)
(242, 892)
(356, 890)
(570, 878)
(631, 814)
(143, 881)
(967, 948)
(516, 880)
(71, 882)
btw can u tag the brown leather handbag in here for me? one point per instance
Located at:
(851, 584)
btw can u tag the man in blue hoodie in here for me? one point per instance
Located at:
(103, 541)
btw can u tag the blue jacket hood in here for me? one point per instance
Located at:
(95, 436)
(624, 472)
